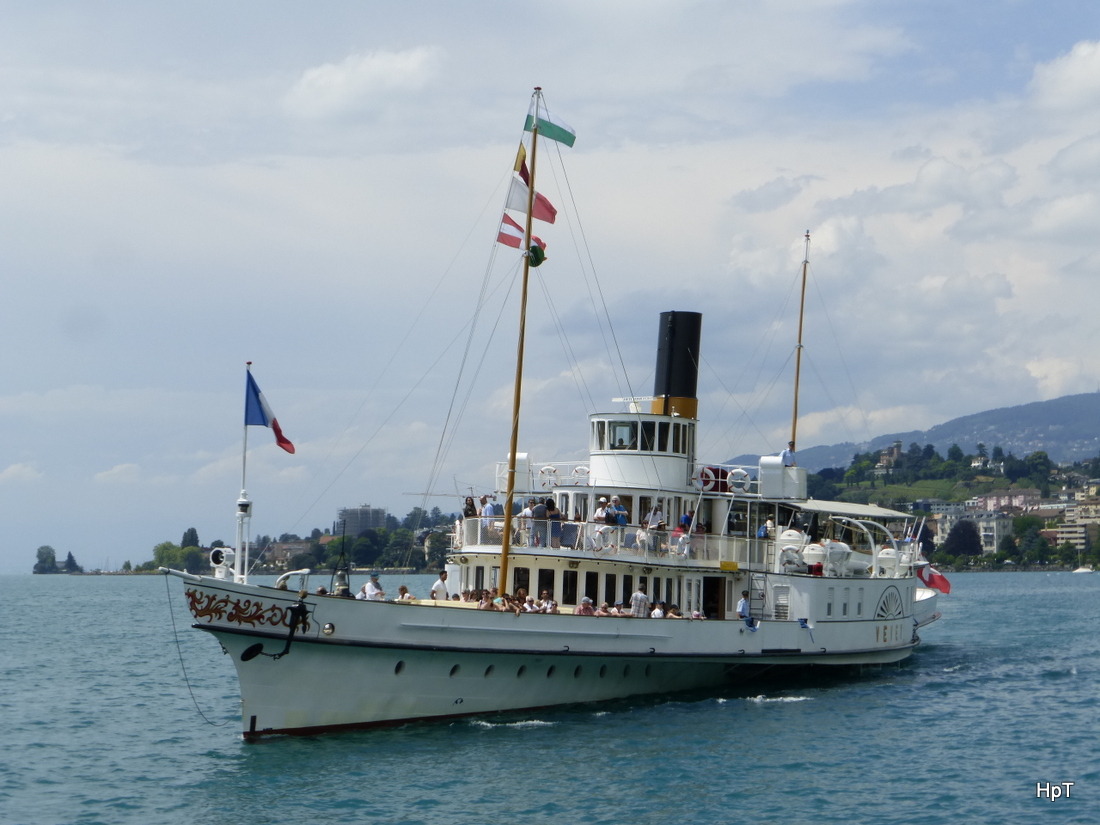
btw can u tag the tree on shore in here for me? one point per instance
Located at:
(47, 560)
(963, 540)
(71, 566)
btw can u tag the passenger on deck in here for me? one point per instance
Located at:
(788, 455)
(553, 517)
(585, 608)
(375, 593)
(362, 594)
(674, 613)
(529, 605)
(743, 611)
(617, 610)
(469, 509)
(485, 602)
(538, 513)
(544, 600)
(603, 610)
(639, 603)
(553, 608)
(439, 589)
(658, 612)
(322, 591)
(525, 516)
(403, 594)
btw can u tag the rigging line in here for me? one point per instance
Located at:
(765, 395)
(385, 421)
(574, 365)
(595, 278)
(731, 396)
(400, 345)
(844, 364)
(433, 472)
(835, 406)
(179, 649)
(477, 372)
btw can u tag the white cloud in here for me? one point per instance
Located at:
(119, 474)
(354, 84)
(19, 473)
(1069, 83)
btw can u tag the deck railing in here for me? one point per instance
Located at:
(591, 540)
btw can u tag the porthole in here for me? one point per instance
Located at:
(400, 666)
(550, 671)
(603, 671)
(647, 669)
(626, 671)
(521, 671)
(488, 671)
(577, 672)
(454, 670)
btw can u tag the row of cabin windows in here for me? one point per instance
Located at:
(655, 436)
(614, 587)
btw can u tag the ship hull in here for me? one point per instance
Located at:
(361, 664)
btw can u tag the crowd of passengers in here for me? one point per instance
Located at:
(541, 524)
(522, 602)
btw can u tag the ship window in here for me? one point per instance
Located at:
(592, 585)
(601, 437)
(656, 588)
(676, 438)
(624, 435)
(844, 604)
(522, 578)
(829, 601)
(628, 589)
(609, 589)
(648, 428)
(689, 439)
(569, 587)
(479, 577)
(643, 582)
(546, 582)
(662, 436)
(859, 602)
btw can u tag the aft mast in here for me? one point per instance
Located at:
(798, 349)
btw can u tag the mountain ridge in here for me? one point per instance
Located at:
(1066, 428)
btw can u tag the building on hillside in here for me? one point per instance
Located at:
(1023, 499)
(1075, 534)
(281, 552)
(888, 457)
(1088, 511)
(358, 519)
(992, 527)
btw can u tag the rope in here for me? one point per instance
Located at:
(179, 649)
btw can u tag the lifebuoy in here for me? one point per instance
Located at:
(738, 480)
(580, 475)
(707, 479)
(548, 476)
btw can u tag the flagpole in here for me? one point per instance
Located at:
(244, 506)
(506, 539)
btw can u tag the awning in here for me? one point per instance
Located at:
(849, 509)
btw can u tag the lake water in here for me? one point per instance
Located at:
(99, 726)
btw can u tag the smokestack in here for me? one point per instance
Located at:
(677, 378)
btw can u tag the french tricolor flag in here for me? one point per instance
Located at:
(257, 413)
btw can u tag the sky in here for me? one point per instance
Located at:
(317, 189)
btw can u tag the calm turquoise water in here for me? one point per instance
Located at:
(99, 727)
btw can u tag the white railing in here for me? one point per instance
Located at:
(591, 540)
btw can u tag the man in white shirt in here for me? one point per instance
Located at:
(439, 589)
(788, 455)
(375, 593)
(743, 611)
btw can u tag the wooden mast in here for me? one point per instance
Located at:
(798, 350)
(506, 539)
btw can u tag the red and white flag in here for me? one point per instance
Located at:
(934, 578)
(511, 234)
(517, 199)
